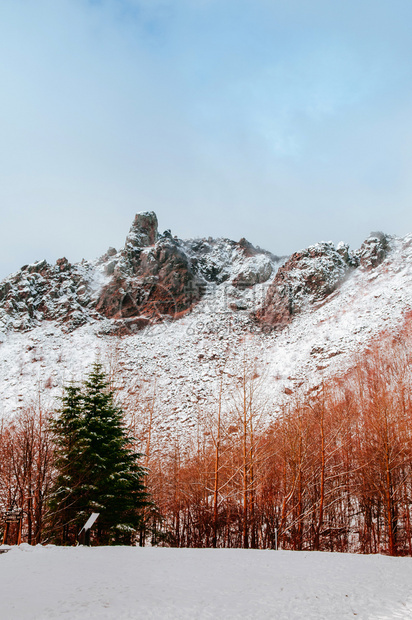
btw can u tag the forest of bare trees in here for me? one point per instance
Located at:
(332, 471)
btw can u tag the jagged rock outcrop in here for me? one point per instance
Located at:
(40, 291)
(221, 261)
(158, 276)
(311, 275)
(308, 276)
(142, 234)
(149, 283)
(155, 276)
(373, 250)
(152, 278)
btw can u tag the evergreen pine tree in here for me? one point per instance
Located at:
(64, 501)
(97, 469)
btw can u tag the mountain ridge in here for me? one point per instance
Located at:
(235, 304)
(157, 276)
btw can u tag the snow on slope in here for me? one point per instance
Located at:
(115, 583)
(186, 356)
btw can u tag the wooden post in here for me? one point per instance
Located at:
(6, 533)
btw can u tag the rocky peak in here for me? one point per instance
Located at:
(373, 250)
(306, 277)
(150, 280)
(143, 231)
(247, 248)
(142, 234)
(310, 275)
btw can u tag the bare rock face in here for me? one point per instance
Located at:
(373, 250)
(154, 282)
(256, 270)
(307, 277)
(158, 276)
(211, 258)
(41, 292)
(247, 248)
(142, 234)
(143, 231)
(221, 261)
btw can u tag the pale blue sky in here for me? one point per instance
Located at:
(288, 122)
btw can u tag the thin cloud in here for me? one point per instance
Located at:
(287, 122)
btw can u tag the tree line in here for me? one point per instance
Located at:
(332, 471)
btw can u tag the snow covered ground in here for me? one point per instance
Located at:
(128, 582)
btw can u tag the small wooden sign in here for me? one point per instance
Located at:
(13, 520)
(13, 516)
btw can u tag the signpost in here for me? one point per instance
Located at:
(84, 534)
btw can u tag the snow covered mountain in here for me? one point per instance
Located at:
(176, 312)
(155, 276)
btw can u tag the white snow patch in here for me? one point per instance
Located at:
(119, 583)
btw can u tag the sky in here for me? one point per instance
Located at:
(283, 121)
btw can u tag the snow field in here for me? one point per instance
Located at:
(38, 583)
